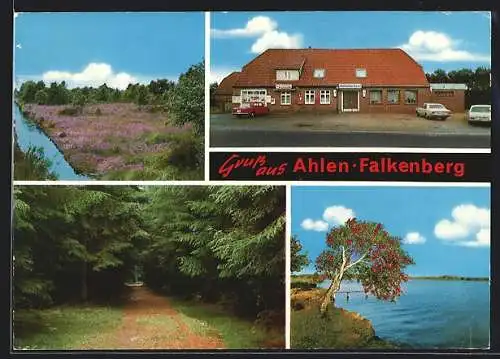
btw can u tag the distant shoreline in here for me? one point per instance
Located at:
(312, 278)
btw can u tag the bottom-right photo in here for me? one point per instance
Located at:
(392, 268)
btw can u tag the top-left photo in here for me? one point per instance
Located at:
(108, 96)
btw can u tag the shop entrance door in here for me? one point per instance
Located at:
(350, 101)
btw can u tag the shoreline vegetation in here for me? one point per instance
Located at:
(340, 329)
(149, 131)
(343, 329)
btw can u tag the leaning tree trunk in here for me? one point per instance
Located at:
(334, 286)
(330, 293)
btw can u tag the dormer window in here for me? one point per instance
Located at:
(319, 73)
(287, 75)
(360, 72)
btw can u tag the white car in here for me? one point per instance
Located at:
(433, 111)
(479, 114)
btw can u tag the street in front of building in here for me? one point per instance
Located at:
(346, 130)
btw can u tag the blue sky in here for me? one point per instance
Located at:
(445, 229)
(122, 47)
(447, 40)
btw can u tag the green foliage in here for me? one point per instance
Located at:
(185, 151)
(187, 105)
(219, 242)
(298, 260)
(32, 165)
(74, 243)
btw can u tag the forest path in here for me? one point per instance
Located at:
(150, 322)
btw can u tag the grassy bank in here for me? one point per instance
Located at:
(236, 333)
(63, 327)
(338, 329)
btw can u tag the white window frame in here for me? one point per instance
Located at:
(361, 72)
(325, 94)
(322, 71)
(307, 95)
(284, 96)
(261, 95)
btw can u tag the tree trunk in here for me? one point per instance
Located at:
(334, 286)
(330, 293)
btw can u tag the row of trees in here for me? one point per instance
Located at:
(476, 80)
(154, 93)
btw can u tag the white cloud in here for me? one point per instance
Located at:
(94, 74)
(276, 39)
(414, 238)
(312, 225)
(338, 215)
(267, 33)
(467, 221)
(439, 47)
(16, 14)
(19, 46)
(217, 74)
(256, 26)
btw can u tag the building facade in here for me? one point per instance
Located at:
(223, 94)
(343, 81)
(450, 95)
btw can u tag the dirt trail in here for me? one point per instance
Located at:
(149, 322)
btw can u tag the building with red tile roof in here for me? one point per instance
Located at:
(222, 96)
(337, 80)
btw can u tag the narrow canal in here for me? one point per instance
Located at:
(28, 135)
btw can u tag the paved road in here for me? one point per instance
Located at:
(276, 138)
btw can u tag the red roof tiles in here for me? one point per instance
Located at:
(226, 85)
(384, 67)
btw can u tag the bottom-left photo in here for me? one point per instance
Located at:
(151, 267)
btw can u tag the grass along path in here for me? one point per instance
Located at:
(146, 321)
(150, 322)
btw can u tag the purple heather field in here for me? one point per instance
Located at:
(117, 138)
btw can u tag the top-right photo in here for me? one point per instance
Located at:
(350, 79)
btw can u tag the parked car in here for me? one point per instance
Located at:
(479, 114)
(433, 111)
(251, 109)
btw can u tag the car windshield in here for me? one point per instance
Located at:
(482, 109)
(436, 106)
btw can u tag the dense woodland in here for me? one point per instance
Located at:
(80, 244)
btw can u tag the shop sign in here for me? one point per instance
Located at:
(283, 86)
(349, 86)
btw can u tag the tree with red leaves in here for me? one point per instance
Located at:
(364, 251)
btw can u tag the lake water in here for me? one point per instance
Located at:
(431, 314)
(28, 135)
